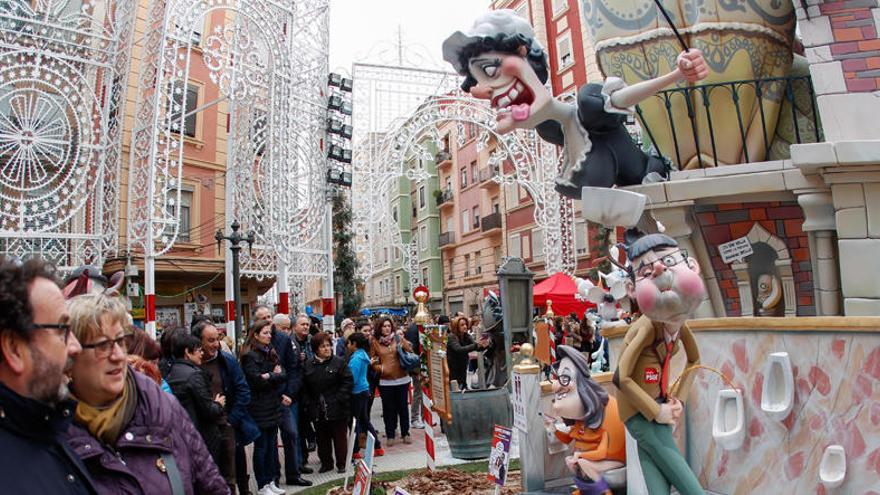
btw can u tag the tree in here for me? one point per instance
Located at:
(345, 263)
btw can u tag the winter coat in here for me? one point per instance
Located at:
(34, 456)
(288, 358)
(160, 426)
(457, 357)
(192, 387)
(265, 405)
(238, 398)
(389, 367)
(328, 386)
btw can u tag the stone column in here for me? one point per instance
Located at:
(533, 441)
(744, 285)
(678, 221)
(820, 225)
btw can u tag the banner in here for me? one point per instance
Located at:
(362, 479)
(500, 455)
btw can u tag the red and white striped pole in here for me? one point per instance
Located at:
(150, 296)
(283, 289)
(428, 419)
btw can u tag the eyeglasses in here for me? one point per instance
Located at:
(105, 347)
(645, 270)
(563, 379)
(63, 329)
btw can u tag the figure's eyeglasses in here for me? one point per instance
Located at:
(62, 329)
(105, 347)
(564, 379)
(669, 260)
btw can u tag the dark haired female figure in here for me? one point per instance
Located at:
(328, 384)
(459, 345)
(394, 381)
(359, 362)
(192, 387)
(264, 374)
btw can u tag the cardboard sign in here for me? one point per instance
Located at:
(519, 404)
(542, 342)
(438, 372)
(735, 250)
(362, 479)
(500, 454)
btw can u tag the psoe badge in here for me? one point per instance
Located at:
(651, 375)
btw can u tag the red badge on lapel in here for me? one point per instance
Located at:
(652, 375)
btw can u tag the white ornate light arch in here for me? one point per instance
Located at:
(536, 164)
(63, 72)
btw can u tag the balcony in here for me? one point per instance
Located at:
(445, 198)
(486, 175)
(443, 159)
(447, 240)
(492, 223)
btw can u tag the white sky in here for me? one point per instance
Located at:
(367, 30)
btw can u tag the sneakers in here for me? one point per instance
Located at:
(379, 452)
(271, 489)
(417, 424)
(390, 441)
(407, 439)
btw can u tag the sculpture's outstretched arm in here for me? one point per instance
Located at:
(690, 66)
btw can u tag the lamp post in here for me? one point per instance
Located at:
(235, 239)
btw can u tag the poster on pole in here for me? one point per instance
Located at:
(362, 478)
(499, 457)
(438, 373)
(519, 404)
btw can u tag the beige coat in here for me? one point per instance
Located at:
(388, 366)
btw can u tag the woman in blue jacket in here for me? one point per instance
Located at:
(359, 363)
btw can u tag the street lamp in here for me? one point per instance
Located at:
(235, 239)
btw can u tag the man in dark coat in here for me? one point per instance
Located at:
(35, 348)
(302, 342)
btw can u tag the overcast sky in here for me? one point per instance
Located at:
(367, 30)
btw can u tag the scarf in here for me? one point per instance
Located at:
(105, 423)
(387, 340)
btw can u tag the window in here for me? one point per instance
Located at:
(394, 213)
(514, 248)
(423, 237)
(564, 56)
(397, 285)
(463, 177)
(538, 243)
(466, 221)
(581, 244)
(184, 105)
(474, 174)
(385, 255)
(422, 197)
(195, 35)
(448, 184)
(425, 275)
(476, 217)
(185, 219)
(467, 265)
(495, 206)
(496, 255)
(527, 247)
(559, 6)
(450, 224)
(512, 193)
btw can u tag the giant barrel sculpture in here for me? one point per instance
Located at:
(740, 39)
(473, 415)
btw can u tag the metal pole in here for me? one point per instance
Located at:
(235, 239)
(329, 301)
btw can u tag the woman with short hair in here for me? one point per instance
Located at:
(132, 437)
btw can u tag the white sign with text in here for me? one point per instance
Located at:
(735, 250)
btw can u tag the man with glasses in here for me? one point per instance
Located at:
(666, 284)
(36, 352)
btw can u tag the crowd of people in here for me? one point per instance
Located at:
(90, 404)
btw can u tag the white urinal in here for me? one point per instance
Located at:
(832, 469)
(729, 423)
(777, 395)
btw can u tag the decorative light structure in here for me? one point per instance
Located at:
(63, 74)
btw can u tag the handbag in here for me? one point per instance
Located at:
(409, 361)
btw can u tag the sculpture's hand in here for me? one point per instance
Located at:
(571, 462)
(692, 65)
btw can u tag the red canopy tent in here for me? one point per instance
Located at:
(561, 289)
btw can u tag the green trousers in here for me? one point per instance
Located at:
(662, 463)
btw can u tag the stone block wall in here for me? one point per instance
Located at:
(726, 222)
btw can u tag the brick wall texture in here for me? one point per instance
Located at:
(855, 45)
(726, 222)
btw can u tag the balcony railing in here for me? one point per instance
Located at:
(447, 238)
(492, 221)
(741, 121)
(444, 196)
(487, 173)
(442, 156)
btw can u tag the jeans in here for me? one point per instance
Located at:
(289, 440)
(415, 409)
(266, 456)
(360, 409)
(300, 460)
(394, 408)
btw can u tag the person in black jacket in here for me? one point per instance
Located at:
(288, 355)
(459, 344)
(192, 387)
(328, 383)
(36, 348)
(265, 375)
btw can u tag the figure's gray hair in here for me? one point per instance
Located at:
(592, 395)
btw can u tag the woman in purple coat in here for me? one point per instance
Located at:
(132, 437)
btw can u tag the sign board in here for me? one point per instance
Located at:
(519, 404)
(735, 250)
(438, 373)
(499, 457)
(542, 342)
(167, 317)
(363, 476)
